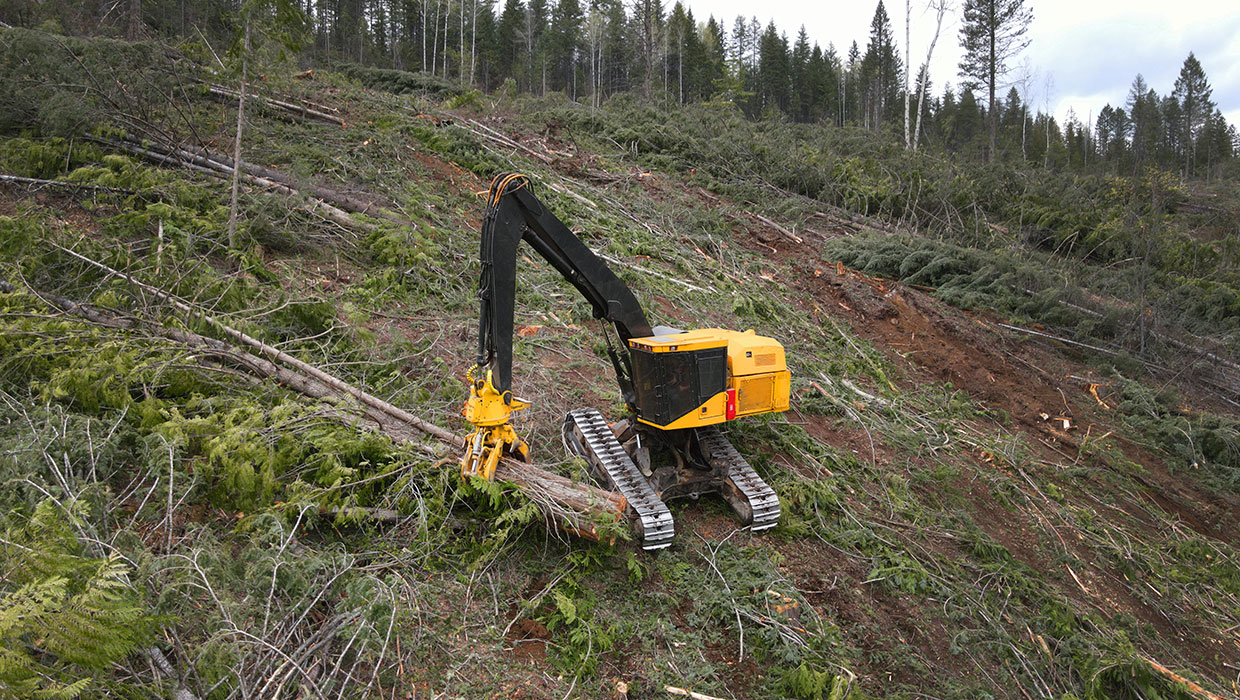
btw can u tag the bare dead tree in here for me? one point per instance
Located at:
(236, 180)
(941, 8)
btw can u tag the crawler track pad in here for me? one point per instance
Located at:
(751, 497)
(586, 432)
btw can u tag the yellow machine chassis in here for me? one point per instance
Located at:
(758, 380)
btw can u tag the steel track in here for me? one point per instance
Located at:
(762, 500)
(587, 433)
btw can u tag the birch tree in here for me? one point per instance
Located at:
(941, 8)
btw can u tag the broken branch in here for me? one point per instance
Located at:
(571, 506)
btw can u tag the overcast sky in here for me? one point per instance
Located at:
(1090, 50)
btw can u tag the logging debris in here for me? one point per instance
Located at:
(34, 183)
(331, 204)
(571, 506)
(281, 107)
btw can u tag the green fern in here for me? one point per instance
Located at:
(64, 617)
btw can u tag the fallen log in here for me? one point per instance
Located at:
(1190, 686)
(273, 104)
(571, 506)
(487, 132)
(780, 229)
(638, 268)
(1204, 352)
(185, 159)
(1057, 339)
(343, 201)
(693, 695)
(564, 190)
(165, 668)
(32, 183)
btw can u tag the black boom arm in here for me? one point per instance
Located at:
(514, 214)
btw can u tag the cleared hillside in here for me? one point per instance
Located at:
(969, 510)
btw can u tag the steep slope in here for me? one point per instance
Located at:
(969, 511)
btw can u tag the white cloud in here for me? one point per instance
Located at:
(1092, 49)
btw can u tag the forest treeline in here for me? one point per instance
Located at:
(593, 50)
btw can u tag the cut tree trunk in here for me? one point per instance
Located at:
(297, 111)
(566, 504)
(34, 183)
(164, 155)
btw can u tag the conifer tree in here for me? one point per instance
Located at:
(681, 32)
(1172, 132)
(508, 38)
(482, 44)
(1146, 121)
(715, 47)
(774, 74)
(1113, 128)
(696, 67)
(801, 97)
(616, 57)
(1192, 92)
(648, 31)
(1216, 142)
(740, 82)
(1011, 116)
(994, 31)
(825, 76)
(822, 79)
(852, 92)
(739, 45)
(536, 18)
(881, 69)
(563, 45)
(968, 123)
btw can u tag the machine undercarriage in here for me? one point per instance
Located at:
(702, 462)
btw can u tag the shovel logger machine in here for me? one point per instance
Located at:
(678, 386)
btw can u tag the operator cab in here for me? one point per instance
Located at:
(692, 379)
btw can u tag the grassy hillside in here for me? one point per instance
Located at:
(969, 511)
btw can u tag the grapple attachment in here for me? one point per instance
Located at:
(493, 437)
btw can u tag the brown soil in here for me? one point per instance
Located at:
(1034, 385)
(529, 640)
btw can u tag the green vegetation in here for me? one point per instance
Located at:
(65, 617)
(157, 496)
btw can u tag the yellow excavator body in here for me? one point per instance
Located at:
(677, 385)
(757, 379)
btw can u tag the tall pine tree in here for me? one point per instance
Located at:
(881, 70)
(509, 38)
(801, 97)
(774, 70)
(1192, 92)
(564, 45)
(994, 31)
